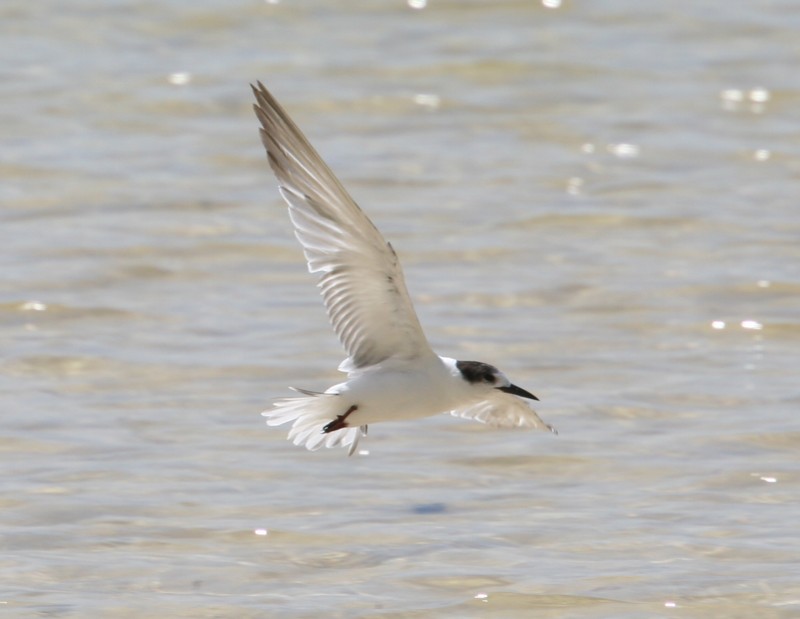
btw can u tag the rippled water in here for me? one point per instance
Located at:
(599, 197)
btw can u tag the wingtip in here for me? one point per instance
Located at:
(262, 96)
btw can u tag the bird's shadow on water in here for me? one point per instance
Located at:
(428, 508)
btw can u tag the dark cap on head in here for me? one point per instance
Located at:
(477, 372)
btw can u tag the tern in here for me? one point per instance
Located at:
(392, 372)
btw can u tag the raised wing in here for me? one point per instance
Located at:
(502, 410)
(360, 275)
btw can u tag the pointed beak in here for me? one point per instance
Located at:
(514, 390)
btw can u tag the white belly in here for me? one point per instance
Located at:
(400, 393)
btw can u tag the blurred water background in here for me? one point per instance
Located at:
(600, 197)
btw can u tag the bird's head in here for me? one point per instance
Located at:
(485, 375)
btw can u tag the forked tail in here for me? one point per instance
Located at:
(310, 416)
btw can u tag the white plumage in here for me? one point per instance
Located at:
(393, 374)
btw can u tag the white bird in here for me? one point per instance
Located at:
(392, 372)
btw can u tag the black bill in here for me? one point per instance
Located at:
(514, 390)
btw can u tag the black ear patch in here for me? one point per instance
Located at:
(477, 372)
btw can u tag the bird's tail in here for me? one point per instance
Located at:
(310, 415)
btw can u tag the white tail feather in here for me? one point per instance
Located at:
(310, 415)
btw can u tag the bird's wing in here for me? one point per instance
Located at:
(503, 410)
(360, 275)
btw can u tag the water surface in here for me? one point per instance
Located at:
(600, 198)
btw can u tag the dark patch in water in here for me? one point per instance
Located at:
(429, 508)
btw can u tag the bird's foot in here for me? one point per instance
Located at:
(340, 421)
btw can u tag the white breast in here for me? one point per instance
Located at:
(403, 391)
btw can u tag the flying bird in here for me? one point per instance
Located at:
(392, 372)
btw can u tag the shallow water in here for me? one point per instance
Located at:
(601, 198)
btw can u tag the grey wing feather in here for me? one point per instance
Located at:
(502, 410)
(360, 275)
